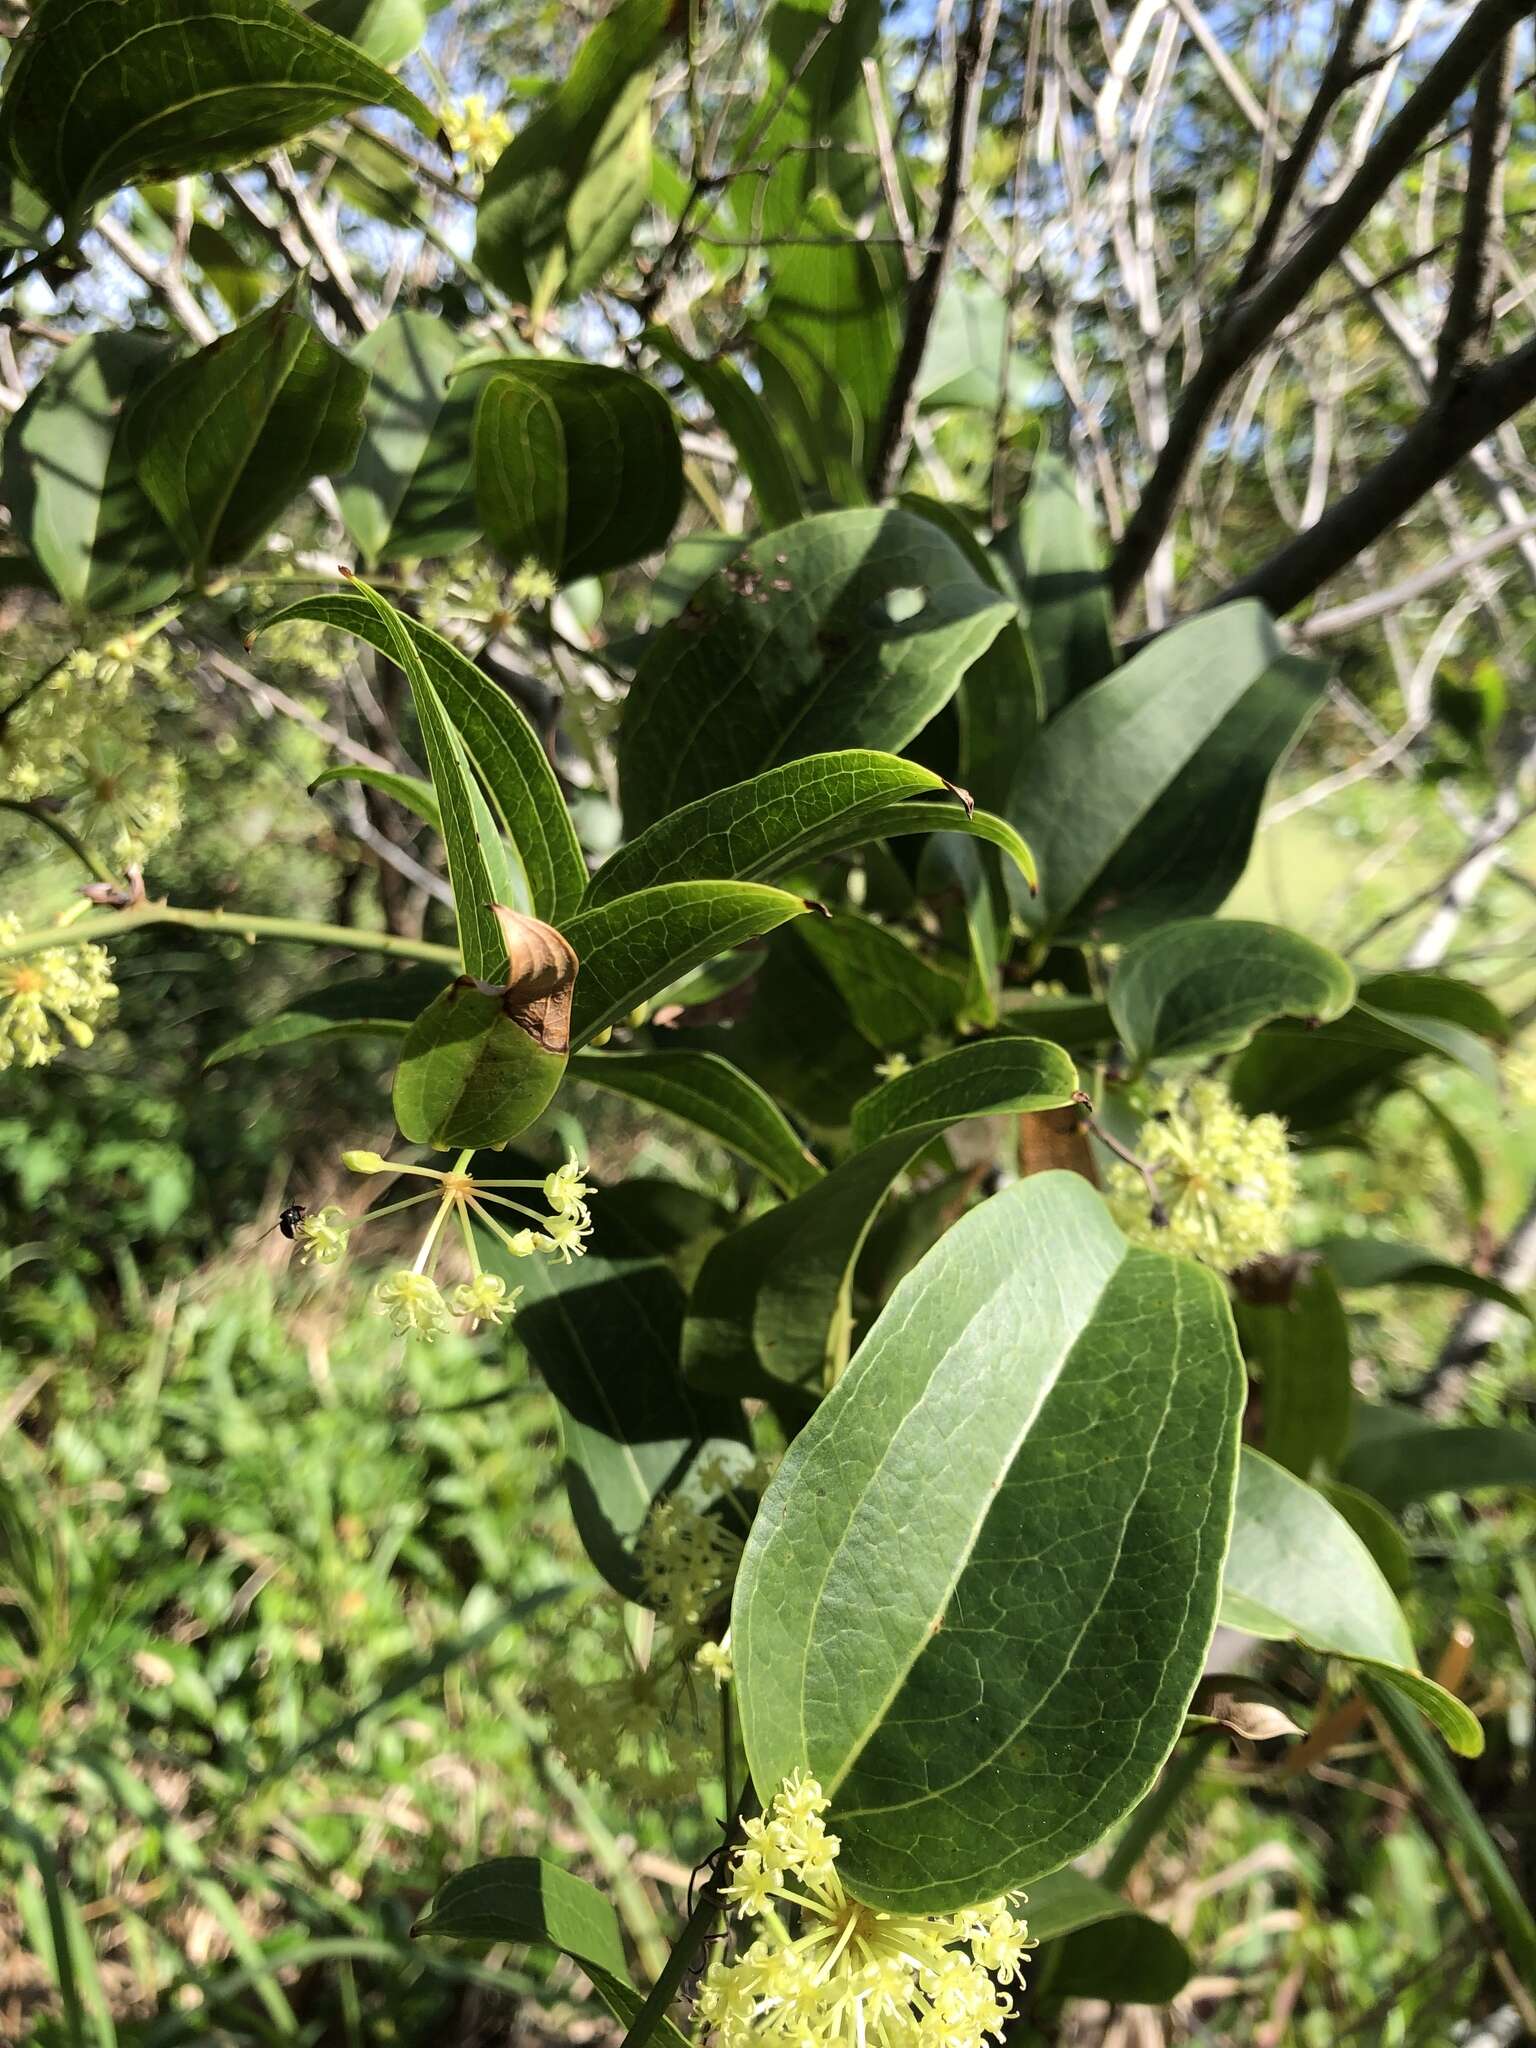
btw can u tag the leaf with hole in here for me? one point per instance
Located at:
(850, 629)
(1296, 1571)
(99, 95)
(978, 1594)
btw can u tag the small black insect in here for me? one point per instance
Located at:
(288, 1223)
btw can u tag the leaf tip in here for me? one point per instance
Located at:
(811, 903)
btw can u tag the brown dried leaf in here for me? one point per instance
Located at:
(541, 974)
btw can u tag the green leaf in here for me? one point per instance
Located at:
(470, 1073)
(238, 283)
(385, 30)
(612, 193)
(850, 629)
(1141, 796)
(892, 995)
(1206, 985)
(506, 752)
(224, 440)
(1410, 1459)
(409, 791)
(630, 949)
(1296, 1571)
(629, 1434)
(1302, 1348)
(578, 467)
(987, 1077)
(525, 1899)
(823, 804)
(771, 1308)
(1058, 558)
(746, 420)
(411, 490)
(1376, 1530)
(1109, 1949)
(99, 95)
(523, 215)
(820, 134)
(378, 1005)
(1379, 1262)
(963, 363)
(1077, 1022)
(706, 1091)
(978, 1594)
(69, 481)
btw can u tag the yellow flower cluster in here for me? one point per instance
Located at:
(476, 131)
(688, 1559)
(1226, 1183)
(62, 988)
(640, 1732)
(825, 1971)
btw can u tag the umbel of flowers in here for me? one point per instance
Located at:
(1209, 1182)
(61, 990)
(410, 1296)
(825, 1971)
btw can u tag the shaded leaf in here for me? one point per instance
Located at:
(1046, 1548)
(385, 30)
(963, 363)
(850, 629)
(1378, 1262)
(225, 439)
(706, 1091)
(1108, 1948)
(411, 489)
(819, 133)
(578, 467)
(893, 996)
(1014, 1074)
(1296, 1571)
(409, 791)
(1057, 554)
(1406, 1458)
(1207, 984)
(1302, 1348)
(746, 420)
(378, 1005)
(470, 1073)
(99, 95)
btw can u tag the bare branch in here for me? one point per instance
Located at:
(1467, 311)
(1344, 618)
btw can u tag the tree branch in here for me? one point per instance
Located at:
(1469, 307)
(895, 435)
(1454, 422)
(1251, 319)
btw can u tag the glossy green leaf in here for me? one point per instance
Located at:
(989, 1076)
(409, 791)
(1141, 796)
(742, 415)
(979, 1592)
(70, 485)
(410, 491)
(1057, 555)
(850, 629)
(525, 1899)
(823, 804)
(1296, 1571)
(522, 228)
(612, 192)
(1406, 1458)
(506, 752)
(604, 1333)
(630, 949)
(578, 467)
(771, 1309)
(470, 1074)
(378, 1005)
(1108, 1948)
(100, 95)
(224, 440)
(706, 1091)
(893, 996)
(1303, 1352)
(1206, 985)
(1378, 1262)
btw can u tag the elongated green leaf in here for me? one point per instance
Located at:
(1108, 1949)
(1058, 557)
(100, 95)
(577, 466)
(820, 132)
(893, 996)
(379, 1005)
(223, 441)
(522, 228)
(630, 949)
(1207, 984)
(414, 795)
(743, 416)
(1297, 1571)
(506, 752)
(1412, 1459)
(706, 1091)
(411, 489)
(611, 194)
(1378, 1262)
(1376, 1530)
(1013, 1073)
(981, 1631)
(525, 1899)
(470, 1074)
(823, 804)
(771, 1308)
(847, 630)
(70, 484)
(1141, 796)
(1303, 1350)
